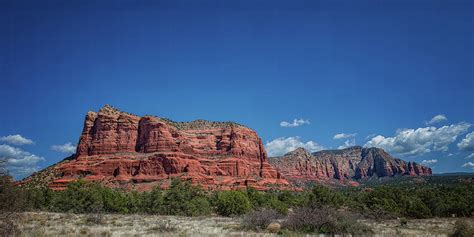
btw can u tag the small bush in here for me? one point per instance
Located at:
(403, 221)
(274, 227)
(462, 229)
(231, 203)
(95, 218)
(323, 220)
(260, 219)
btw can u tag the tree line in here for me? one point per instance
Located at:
(182, 198)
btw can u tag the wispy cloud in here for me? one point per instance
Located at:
(437, 119)
(283, 145)
(413, 142)
(344, 135)
(16, 139)
(471, 156)
(295, 123)
(370, 136)
(64, 148)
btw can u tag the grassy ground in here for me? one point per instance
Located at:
(61, 224)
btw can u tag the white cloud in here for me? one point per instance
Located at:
(413, 142)
(471, 156)
(19, 162)
(450, 154)
(64, 148)
(295, 123)
(469, 165)
(16, 140)
(344, 135)
(467, 144)
(283, 145)
(437, 119)
(347, 143)
(429, 162)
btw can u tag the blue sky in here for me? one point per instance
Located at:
(362, 68)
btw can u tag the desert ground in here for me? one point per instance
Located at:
(65, 224)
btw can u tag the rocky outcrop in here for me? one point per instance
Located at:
(125, 150)
(343, 166)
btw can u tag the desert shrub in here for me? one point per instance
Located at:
(79, 197)
(403, 221)
(114, 201)
(277, 205)
(277, 200)
(154, 201)
(256, 198)
(417, 209)
(293, 199)
(8, 194)
(163, 227)
(323, 220)
(38, 198)
(184, 199)
(462, 229)
(231, 203)
(324, 196)
(95, 218)
(260, 219)
(11, 203)
(135, 202)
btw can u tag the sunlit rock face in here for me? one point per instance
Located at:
(124, 150)
(345, 166)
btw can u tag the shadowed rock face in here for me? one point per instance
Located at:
(344, 166)
(121, 149)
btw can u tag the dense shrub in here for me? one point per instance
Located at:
(8, 194)
(11, 201)
(230, 203)
(417, 209)
(154, 201)
(324, 196)
(182, 198)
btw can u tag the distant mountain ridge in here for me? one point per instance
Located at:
(349, 166)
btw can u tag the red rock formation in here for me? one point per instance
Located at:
(120, 149)
(343, 166)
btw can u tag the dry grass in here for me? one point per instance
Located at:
(74, 225)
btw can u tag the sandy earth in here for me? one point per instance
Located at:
(61, 224)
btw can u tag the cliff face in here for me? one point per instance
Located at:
(346, 165)
(120, 149)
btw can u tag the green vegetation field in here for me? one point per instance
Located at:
(320, 209)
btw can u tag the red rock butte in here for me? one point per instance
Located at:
(119, 149)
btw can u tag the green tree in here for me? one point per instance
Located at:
(230, 203)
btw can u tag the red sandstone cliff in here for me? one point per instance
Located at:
(343, 166)
(120, 149)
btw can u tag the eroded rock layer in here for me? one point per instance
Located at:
(121, 149)
(347, 166)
